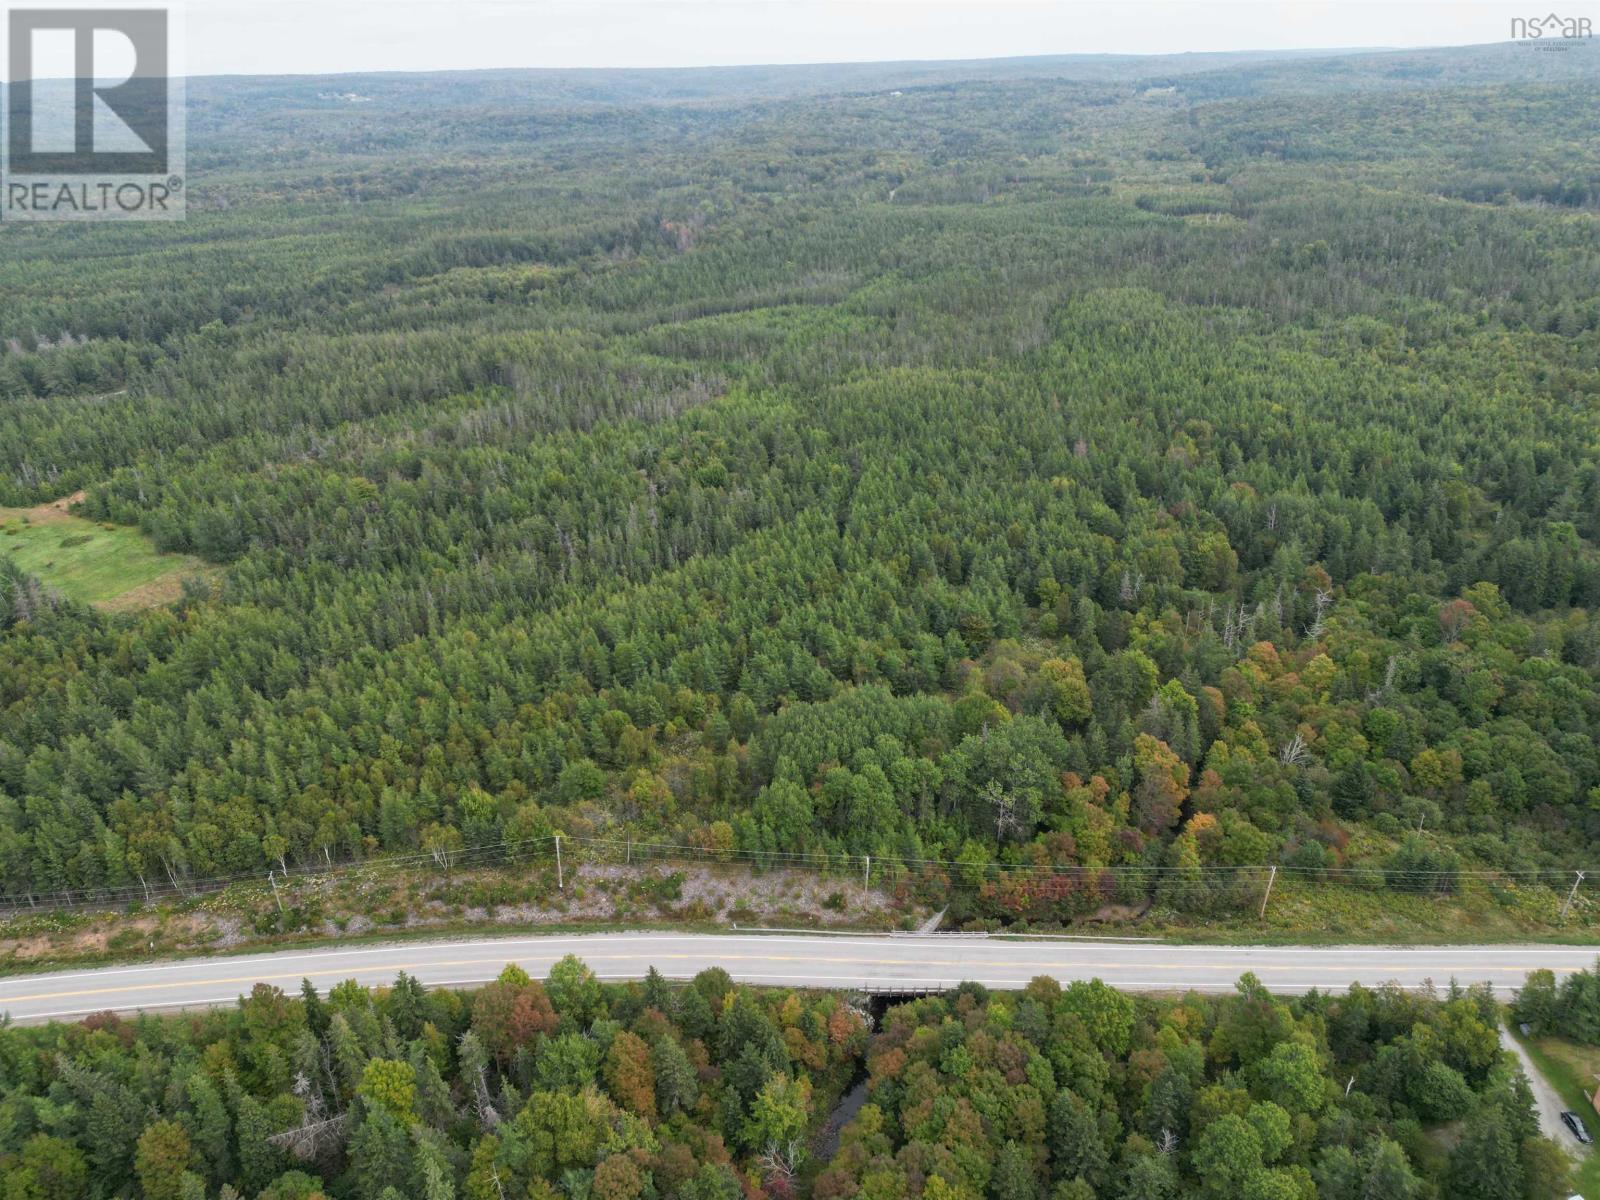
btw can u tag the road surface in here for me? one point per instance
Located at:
(868, 963)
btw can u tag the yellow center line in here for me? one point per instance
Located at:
(646, 956)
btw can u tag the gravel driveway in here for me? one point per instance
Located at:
(1545, 1099)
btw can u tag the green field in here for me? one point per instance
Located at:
(111, 567)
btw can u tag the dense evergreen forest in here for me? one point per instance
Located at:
(573, 1089)
(1164, 465)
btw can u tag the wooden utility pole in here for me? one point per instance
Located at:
(1572, 895)
(561, 881)
(866, 873)
(1271, 879)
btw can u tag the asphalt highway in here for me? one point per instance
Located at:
(866, 963)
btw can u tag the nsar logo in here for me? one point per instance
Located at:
(1551, 28)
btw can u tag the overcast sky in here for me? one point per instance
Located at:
(290, 36)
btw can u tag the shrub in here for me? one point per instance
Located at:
(1420, 865)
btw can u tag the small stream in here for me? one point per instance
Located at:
(826, 1143)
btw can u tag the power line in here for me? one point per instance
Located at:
(485, 853)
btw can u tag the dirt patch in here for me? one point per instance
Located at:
(79, 937)
(56, 510)
(28, 949)
(1117, 914)
(609, 892)
(166, 590)
(598, 891)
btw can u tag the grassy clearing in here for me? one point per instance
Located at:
(1571, 1068)
(1307, 912)
(111, 567)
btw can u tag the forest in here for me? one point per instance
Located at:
(568, 1087)
(1133, 469)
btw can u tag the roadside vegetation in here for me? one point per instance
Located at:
(381, 901)
(414, 902)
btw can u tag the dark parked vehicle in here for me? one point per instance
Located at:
(1575, 1123)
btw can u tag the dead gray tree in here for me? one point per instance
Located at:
(1293, 753)
(1319, 613)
